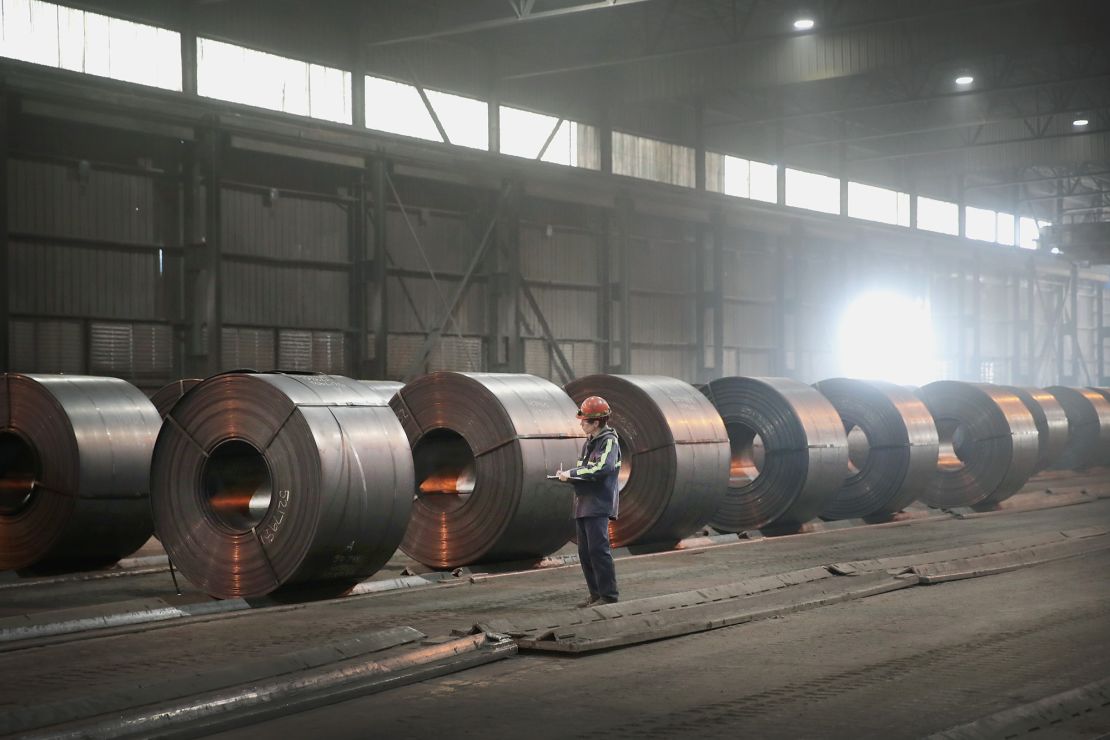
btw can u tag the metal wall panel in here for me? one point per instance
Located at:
(76, 281)
(246, 348)
(47, 346)
(429, 303)
(565, 256)
(130, 350)
(292, 296)
(51, 199)
(571, 314)
(283, 227)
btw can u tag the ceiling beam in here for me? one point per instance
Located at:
(965, 147)
(513, 20)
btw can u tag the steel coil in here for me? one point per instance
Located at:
(789, 452)
(165, 397)
(482, 446)
(892, 448)
(988, 444)
(674, 455)
(74, 471)
(1051, 422)
(281, 485)
(1088, 412)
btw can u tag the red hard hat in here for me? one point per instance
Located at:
(594, 407)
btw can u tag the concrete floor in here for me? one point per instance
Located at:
(898, 665)
(902, 664)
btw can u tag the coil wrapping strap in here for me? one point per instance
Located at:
(1051, 423)
(902, 453)
(988, 443)
(1088, 412)
(518, 428)
(339, 475)
(674, 450)
(805, 451)
(75, 468)
(165, 397)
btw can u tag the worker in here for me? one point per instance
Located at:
(595, 500)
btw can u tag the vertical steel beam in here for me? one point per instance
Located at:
(1031, 322)
(976, 321)
(605, 292)
(494, 123)
(605, 140)
(780, 172)
(699, 146)
(1103, 378)
(1071, 325)
(717, 301)
(701, 302)
(380, 278)
(961, 204)
(188, 34)
(509, 238)
(624, 266)
(213, 239)
(357, 255)
(5, 254)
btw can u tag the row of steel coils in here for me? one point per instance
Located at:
(292, 485)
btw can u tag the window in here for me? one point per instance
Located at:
(878, 204)
(764, 181)
(938, 215)
(736, 177)
(812, 191)
(1005, 229)
(1029, 231)
(661, 161)
(241, 75)
(398, 109)
(523, 134)
(981, 224)
(77, 40)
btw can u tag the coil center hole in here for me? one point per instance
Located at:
(859, 447)
(955, 441)
(747, 452)
(237, 484)
(19, 469)
(444, 467)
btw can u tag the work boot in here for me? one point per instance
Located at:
(590, 601)
(607, 600)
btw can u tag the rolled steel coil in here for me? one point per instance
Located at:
(1051, 422)
(674, 452)
(482, 446)
(789, 452)
(988, 444)
(285, 486)
(892, 447)
(74, 471)
(1088, 412)
(166, 396)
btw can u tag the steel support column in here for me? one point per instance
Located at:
(624, 287)
(701, 302)
(213, 238)
(508, 238)
(5, 252)
(1101, 334)
(380, 278)
(358, 256)
(605, 292)
(717, 300)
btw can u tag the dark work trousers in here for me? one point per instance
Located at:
(596, 559)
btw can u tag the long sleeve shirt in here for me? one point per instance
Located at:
(596, 494)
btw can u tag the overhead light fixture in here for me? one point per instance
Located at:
(1079, 122)
(965, 80)
(803, 24)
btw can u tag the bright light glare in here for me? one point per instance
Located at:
(887, 336)
(965, 80)
(1080, 122)
(803, 24)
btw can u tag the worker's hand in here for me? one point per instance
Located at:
(562, 475)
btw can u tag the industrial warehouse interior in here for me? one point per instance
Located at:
(555, 369)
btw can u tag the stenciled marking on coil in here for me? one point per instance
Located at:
(270, 532)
